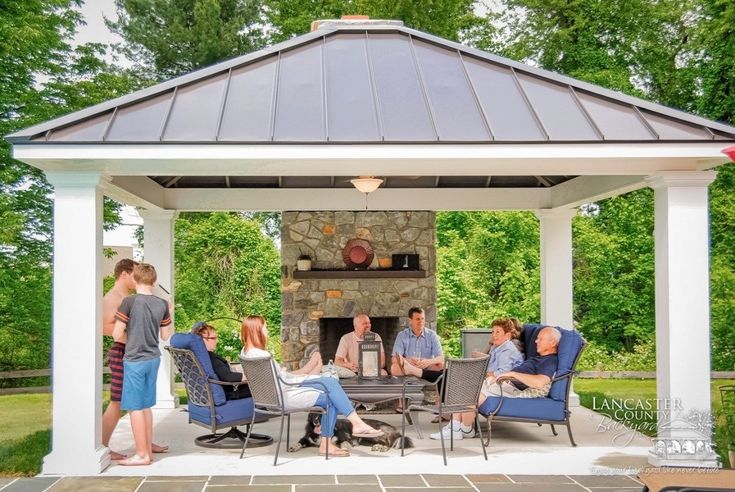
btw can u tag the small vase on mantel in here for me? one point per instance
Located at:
(303, 263)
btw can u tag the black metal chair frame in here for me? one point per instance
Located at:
(567, 413)
(271, 400)
(201, 395)
(455, 400)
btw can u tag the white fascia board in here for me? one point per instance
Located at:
(380, 160)
(349, 199)
(586, 189)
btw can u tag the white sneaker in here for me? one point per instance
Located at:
(447, 431)
(469, 434)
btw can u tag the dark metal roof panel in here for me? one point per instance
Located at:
(403, 108)
(142, 121)
(247, 114)
(374, 83)
(195, 111)
(456, 113)
(299, 111)
(508, 115)
(561, 117)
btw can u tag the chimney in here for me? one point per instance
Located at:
(353, 20)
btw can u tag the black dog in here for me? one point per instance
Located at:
(343, 438)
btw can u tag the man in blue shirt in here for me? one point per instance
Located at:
(418, 344)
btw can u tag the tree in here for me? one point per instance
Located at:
(171, 37)
(42, 77)
(225, 266)
(445, 18)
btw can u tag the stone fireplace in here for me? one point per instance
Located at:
(318, 306)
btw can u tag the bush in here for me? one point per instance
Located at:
(597, 358)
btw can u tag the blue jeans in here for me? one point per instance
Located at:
(338, 402)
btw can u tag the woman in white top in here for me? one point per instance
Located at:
(254, 334)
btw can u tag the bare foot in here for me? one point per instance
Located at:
(334, 451)
(159, 448)
(411, 370)
(115, 456)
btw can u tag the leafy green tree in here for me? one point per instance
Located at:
(445, 18)
(614, 271)
(172, 37)
(226, 266)
(487, 267)
(42, 78)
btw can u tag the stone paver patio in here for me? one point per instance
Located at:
(329, 483)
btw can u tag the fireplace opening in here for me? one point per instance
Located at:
(331, 331)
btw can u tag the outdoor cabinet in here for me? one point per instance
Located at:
(474, 339)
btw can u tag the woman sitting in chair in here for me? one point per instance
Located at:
(503, 358)
(221, 366)
(254, 335)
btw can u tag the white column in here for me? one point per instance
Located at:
(76, 443)
(557, 302)
(158, 250)
(682, 318)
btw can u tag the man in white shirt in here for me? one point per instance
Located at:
(348, 350)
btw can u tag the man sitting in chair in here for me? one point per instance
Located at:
(221, 366)
(348, 351)
(532, 378)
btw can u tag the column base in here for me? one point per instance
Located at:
(694, 452)
(74, 462)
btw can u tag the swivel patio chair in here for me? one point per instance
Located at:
(458, 389)
(266, 386)
(553, 409)
(207, 405)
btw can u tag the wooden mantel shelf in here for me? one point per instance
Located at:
(376, 274)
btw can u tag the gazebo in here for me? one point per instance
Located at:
(446, 126)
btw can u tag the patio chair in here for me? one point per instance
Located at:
(266, 386)
(553, 409)
(458, 389)
(207, 404)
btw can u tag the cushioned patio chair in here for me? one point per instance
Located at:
(460, 386)
(266, 386)
(553, 409)
(207, 404)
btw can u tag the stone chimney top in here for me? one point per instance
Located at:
(353, 20)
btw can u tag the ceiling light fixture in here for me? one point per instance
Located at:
(366, 184)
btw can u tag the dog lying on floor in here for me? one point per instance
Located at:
(343, 438)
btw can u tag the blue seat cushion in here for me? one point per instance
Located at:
(193, 342)
(228, 414)
(529, 408)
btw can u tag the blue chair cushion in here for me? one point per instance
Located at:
(529, 408)
(569, 347)
(193, 342)
(228, 414)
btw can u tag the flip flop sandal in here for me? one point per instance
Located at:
(376, 433)
(336, 454)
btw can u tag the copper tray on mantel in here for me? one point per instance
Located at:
(358, 254)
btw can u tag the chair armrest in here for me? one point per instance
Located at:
(225, 383)
(569, 375)
(316, 383)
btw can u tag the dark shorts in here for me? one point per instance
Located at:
(115, 361)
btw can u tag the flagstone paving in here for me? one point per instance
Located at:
(329, 483)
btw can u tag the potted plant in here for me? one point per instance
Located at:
(727, 396)
(303, 263)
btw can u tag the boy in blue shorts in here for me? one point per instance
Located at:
(141, 318)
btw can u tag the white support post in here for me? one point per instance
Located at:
(158, 250)
(557, 302)
(682, 319)
(76, 443)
